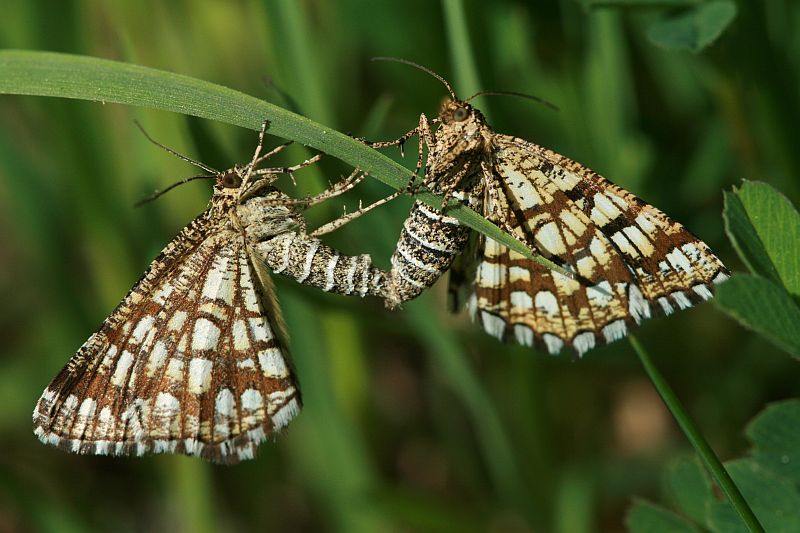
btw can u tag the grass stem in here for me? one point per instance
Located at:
(697, 440)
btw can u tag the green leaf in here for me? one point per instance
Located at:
(768, 479)
(775, 434)
(764, 307)
(695, 29)
(645, 517)
(777, 224)
(745, 239)
(690, 487)
(775, 500)
(638, 3)
(101, 80)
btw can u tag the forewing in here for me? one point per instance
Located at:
(630, 260)
(190, 362)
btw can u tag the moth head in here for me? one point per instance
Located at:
(229, 181)
(454, 112)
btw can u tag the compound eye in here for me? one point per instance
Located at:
(231, 180)
(460, 114)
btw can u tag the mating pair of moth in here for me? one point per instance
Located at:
(194, 360)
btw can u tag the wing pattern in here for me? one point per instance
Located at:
(631, 261)
(192, 361)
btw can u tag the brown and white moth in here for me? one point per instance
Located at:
(628, 259)
(194, 360)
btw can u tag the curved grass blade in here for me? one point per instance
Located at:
(87, 78)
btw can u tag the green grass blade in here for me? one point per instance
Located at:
(494, 441)
(296, 35)
(190, 486)
(466, 71)
(328, 447)
(101, 80)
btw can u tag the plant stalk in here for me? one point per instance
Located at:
(697, 440)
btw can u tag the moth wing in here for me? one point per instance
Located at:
(630, 260)
(189, 362)
(462, 273)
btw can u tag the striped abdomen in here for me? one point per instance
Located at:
(276, 232)
(428, 244)
(311, 262)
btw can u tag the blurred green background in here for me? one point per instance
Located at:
(414, 420)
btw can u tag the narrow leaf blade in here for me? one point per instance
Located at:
(36, 73)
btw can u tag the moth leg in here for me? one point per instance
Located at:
(272, 171)
(333, 191)
(425, 139)
(492, 199)
(349, 217)
(400, 141)
(259, 147)
(288, 170)
(338, 188)
(449, 192)
(272, 152)
(423, 130)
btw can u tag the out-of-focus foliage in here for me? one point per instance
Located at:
(764, 228)
(695, 29)
(768, 479)
(414, 420)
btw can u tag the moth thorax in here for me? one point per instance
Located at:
(469, 191)
(263, 217)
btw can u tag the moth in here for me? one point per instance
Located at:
(626, 261)
(194, 360)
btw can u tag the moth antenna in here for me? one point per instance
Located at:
(513, 93)
(173, 152)
(420, 67)
(156, 194)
